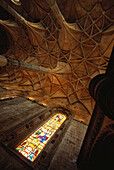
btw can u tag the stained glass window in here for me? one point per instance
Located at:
(33, 145)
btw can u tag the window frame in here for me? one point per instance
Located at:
(58, 132)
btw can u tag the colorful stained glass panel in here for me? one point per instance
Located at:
(33, 145)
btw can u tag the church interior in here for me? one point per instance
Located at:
(57, 84)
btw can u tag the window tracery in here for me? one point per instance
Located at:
(34, 144)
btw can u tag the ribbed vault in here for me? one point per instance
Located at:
(73, 38)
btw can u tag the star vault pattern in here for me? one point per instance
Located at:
(72, 38)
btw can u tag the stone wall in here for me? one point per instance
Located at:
(67, 153)
(20, 117)
(14, 111)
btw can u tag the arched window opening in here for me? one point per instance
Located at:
(34, 144)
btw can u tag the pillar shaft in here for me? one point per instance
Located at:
(16, 64)
(15, 14)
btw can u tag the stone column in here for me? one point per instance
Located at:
(16, 64)
(101, 89)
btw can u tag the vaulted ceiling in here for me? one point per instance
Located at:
(72, 38)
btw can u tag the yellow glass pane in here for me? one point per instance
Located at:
(33, 145)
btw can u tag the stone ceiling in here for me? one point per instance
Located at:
(72, 38)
